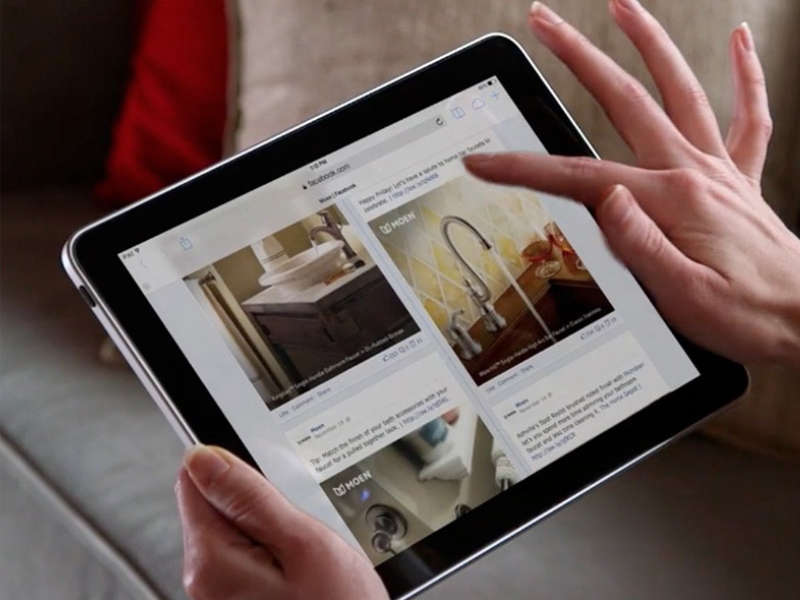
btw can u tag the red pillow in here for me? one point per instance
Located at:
(173, 115)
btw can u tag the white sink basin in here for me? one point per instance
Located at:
(306, 269)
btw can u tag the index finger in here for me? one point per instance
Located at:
(584, 179)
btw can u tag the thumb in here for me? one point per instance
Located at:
(638, 242)
(247, 500)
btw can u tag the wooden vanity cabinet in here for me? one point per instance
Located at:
(310, 336)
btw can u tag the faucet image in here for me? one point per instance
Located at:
(458, 334)
(334, 229)
(477, 289)
(388, 526)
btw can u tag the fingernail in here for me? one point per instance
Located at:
(204, 464)
(745, 36)
(615, 193)
(543, 13)
(478, 160)
(613, 207)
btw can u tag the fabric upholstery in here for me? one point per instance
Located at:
(322, 54)
(173, 117)
(40, 551)
(91, 430)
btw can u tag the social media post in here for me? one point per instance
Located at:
(326, 393)
(494, 272)
(412, 180)
(439, 469)
(302, 306)
(377, 416)
(583, 399)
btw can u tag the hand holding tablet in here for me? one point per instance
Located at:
(349, 311)
(274, 551)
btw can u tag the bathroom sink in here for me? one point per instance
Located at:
(306, 269)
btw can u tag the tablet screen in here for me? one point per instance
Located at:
(397, 342)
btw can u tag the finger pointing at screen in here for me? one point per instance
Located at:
(681, 217)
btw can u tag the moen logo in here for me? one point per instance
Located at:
(389, 226)
(341, 489)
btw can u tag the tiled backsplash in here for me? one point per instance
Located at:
(510, 218)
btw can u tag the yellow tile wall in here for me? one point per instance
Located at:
(510, 218)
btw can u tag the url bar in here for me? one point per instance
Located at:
(373, 153)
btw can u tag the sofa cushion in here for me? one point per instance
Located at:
(174, 113)
(49, 551)
(90, 429)
(320, 54)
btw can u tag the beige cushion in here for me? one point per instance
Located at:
(299, 57)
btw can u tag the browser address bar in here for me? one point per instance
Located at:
(373, 153)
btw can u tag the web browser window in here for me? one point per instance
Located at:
(397, 342)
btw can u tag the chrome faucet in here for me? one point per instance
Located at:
(457, 333)
(334, 229)
(477, 289)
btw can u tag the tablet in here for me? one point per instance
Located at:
(426, 362)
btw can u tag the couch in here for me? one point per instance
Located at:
(87, 463)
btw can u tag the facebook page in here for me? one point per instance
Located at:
(397, 342)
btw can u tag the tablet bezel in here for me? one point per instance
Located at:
(92, 258)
